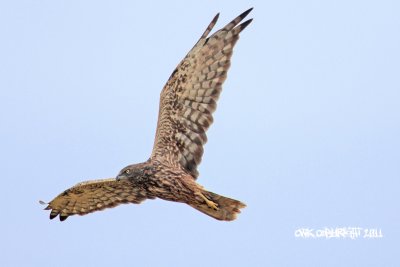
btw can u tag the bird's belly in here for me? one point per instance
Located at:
(172, 189)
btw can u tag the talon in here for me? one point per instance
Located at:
(209, 203)
(212, 205)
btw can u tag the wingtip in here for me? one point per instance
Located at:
(237, 20)
(244, 14)
(214, 20)
(63, 217)
(245, 24)
(41, 202)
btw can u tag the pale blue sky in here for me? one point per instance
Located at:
(306, 132)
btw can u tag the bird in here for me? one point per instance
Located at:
(187, 102)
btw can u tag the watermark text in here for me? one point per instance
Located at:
(339, 233)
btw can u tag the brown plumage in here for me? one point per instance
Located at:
(186, 105)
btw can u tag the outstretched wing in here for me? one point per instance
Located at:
(91, 196)
(189, 98)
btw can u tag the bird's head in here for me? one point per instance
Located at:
(125, 173)
(130, 172)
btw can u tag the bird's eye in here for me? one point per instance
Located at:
(127, 171)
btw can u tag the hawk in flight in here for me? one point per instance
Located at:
(187, 102)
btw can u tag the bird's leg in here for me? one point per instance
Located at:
(209, 203)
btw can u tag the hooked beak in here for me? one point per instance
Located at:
(121, 177)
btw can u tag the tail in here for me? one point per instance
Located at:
(227, 208)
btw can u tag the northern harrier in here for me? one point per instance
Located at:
(186, 105)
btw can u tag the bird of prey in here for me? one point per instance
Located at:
(187, 103)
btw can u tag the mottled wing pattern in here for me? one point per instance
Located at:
(91, 196)
(189, 98)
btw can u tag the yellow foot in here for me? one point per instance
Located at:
(210, 203)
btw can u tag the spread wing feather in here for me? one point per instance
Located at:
(91, 196)
(190, 96)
